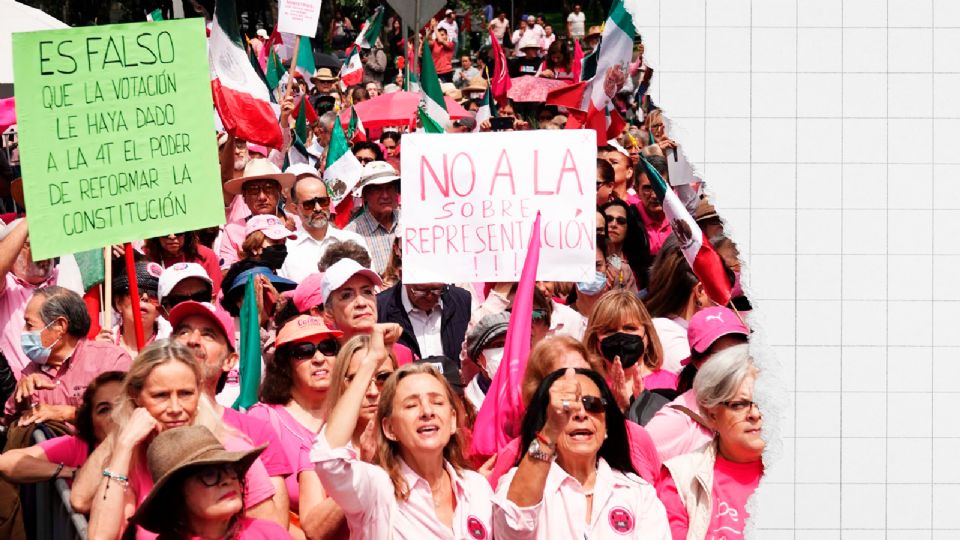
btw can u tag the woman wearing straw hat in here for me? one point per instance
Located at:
(198, 489)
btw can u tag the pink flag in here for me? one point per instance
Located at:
(498, 421)
(500, 81)
(577, 60)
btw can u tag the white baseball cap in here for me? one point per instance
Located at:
(172, 275)
(341, 271)
(302, 169)
(272, 227)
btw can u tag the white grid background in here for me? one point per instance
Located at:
(826, 131)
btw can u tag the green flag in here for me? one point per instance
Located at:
(275, 71)
(249, 348)
(431, 95)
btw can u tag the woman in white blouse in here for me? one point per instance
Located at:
(421, 488)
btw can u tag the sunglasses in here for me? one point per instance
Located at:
(176, 299)
(213, 475)
(428, 292)
(268, 188)
(594, 404)
(304, 349)
(620, 220)
(312, 203)
(379, 378)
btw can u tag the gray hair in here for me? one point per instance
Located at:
(326, 120)
(721, 376)
(60, 302)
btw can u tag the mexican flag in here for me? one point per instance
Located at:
(487, 109)
(249, 349)
(695, 246)
(240, 96)
(431, 96)
(604, 69)
(341, 174)
(275, 70)
(370, 30)
(305, 65)
(351, 72)
(155, 15)
(305, 115)
(355, 130)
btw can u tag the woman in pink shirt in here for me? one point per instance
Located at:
(575, 479)
(706, 491)
(422, 487)
(198, 489)
(60, 457)
(293, 391)
(161, 392)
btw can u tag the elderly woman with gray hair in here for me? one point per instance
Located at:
(484, 346)
(705, 492)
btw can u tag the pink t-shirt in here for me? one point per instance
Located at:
(733, 483)
(657, 233)
(257, 529)
(68, 449)
(643, 455)
(257, 490)
(14, 295)
(674, 432)
(70, 380)
(661, 378)
(261, 432)
(295, 440)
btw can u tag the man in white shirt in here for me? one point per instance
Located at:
(449, 23)
(576, 23)
(499, 26)
(312, 201)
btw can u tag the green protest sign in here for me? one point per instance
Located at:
(116, 132)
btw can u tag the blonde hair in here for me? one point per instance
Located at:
(543, 357)
(388, 451)
(158, 353)
(338, 374)
(615, 306)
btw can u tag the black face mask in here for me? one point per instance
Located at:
(628, 347)
(273, 256)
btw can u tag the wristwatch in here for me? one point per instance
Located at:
(541, 450)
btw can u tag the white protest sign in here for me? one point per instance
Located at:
(469, 201)
(298, 17)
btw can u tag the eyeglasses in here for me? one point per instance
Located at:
(656, 126)
(380, 378)
(176, 299)
(620, 220)
(430, 292)
(312, 203)
(213, 475)
(365, 160)
(740, 406)
(255, 188)
(594, 404)
(304, 350)
(602, 183)
(646, 188)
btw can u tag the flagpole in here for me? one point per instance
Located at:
(417, 43)
(293, 68)
(134, 294)
(735, 311)
(106, 304)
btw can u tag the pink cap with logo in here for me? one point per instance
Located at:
(308, 293)
(221, 318)
(710, 324)
(273, 227)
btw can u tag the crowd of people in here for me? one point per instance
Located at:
(638, 417)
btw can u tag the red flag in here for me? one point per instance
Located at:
(500, 81)
(500, 416)
(577, 60)
(312, 115)
(343, 212)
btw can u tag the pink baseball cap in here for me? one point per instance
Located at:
(308, 293)
(221, 318)
(710, 324)
(305, 328)
(273, 227)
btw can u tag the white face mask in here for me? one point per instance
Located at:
(493, 357)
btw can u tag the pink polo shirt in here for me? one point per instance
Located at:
(294, 441)
(257, 529)
(733, 483)
(661, 378)
(70, 450)
(261, 432)
(257, 487)
(365, 494)
(657, 233)
(674, 432)
(70, 380)
(624, 506)
(643, 455)
(14, 295)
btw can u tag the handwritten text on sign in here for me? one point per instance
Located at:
(469, 201)
(298, 17)
(116, 134)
